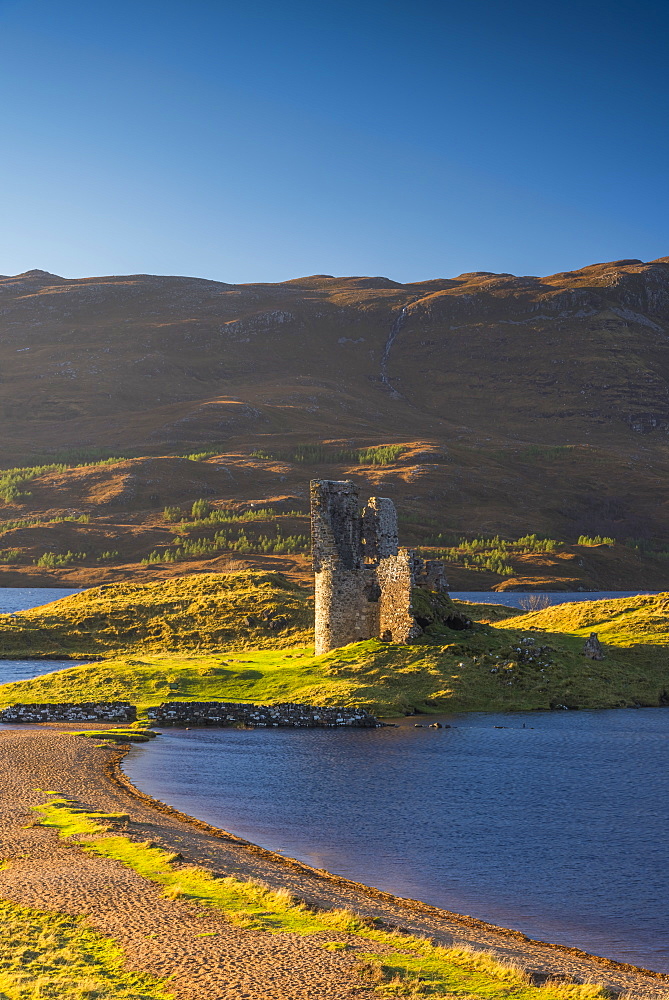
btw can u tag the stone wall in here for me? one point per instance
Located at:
(396, 620)
(118, 711)
(363, 578)
(221, 713)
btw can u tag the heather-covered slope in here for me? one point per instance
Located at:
(143, 361)
(521, 404)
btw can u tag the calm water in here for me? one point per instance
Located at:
(514, 599)
(554, 824)
(13, 599)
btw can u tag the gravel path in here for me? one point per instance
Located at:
(163, 936)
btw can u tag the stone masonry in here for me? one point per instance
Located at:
(199, 713)
(221, 713)
(363, 578)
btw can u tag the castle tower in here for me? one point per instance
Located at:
(336, 533)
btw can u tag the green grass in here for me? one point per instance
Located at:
(489, 669)
(409, 965)
(117, 735)
(622, 622)
(51, 956)
(244, 637)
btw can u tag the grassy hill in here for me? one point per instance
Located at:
(191, 639)
(625, 622)
(200, 612)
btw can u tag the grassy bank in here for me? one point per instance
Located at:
(489, 670)
(625, 622)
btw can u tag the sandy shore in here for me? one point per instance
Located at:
(163, 936)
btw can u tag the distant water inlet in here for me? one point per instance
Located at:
(15, 599)
(550, 823)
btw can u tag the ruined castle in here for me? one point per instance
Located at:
(364, 580)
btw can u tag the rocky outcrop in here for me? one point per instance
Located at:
(593, 647)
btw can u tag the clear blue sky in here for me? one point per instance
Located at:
(259, 141)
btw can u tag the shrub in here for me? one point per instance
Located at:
(320, 454)
(54, 560)
(173, 514)
(535, 602)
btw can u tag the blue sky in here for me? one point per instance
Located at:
(264, 141)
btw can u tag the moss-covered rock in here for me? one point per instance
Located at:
(435, 611)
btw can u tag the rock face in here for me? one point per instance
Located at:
(221, 713)
(593, 648)
(117, 711)
(364, 580)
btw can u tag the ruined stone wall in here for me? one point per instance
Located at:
(363, 579)
(222, 713)
(396, 620)
(340, 582)
(197, 713)
(119, 711)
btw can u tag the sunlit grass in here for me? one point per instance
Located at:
(408, 966)
(51, 956)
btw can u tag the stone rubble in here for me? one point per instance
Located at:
(593, 647)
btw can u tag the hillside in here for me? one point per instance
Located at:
(505, 405)
(621, 622)
(192, 613)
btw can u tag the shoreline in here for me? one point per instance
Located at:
(115, 773)
(48, 873)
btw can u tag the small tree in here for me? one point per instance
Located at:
(200, 509)
(535, 602)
